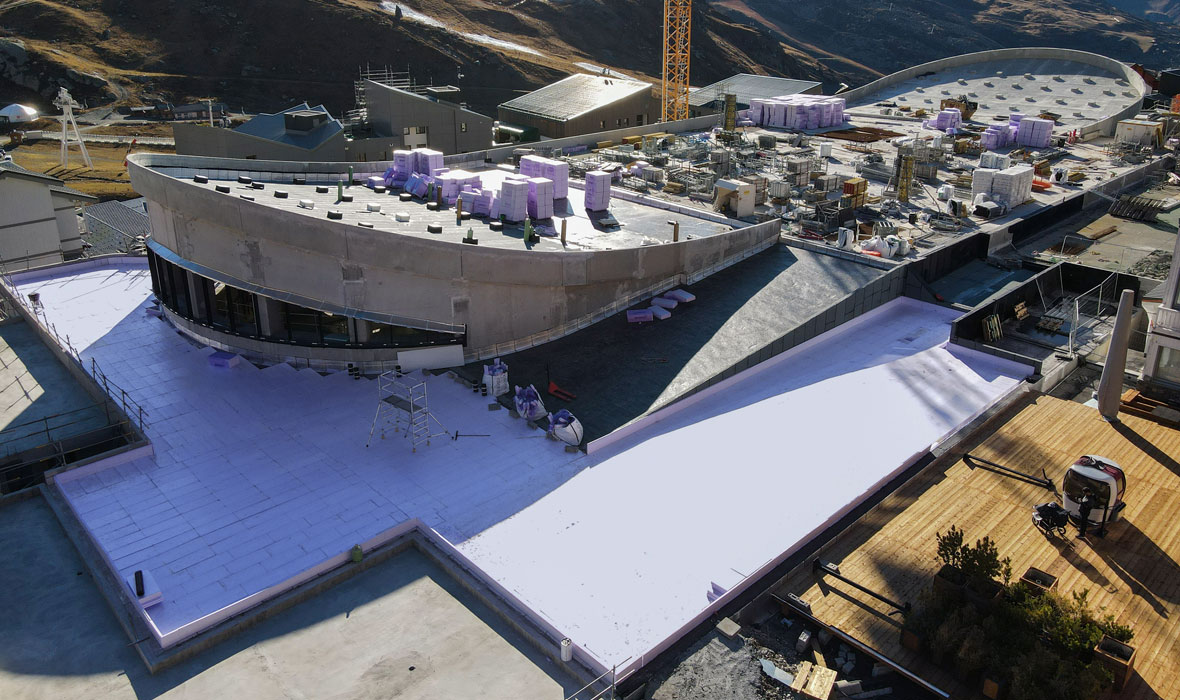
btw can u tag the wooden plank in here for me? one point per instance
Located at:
(1133, 572)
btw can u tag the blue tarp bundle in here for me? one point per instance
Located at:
(528, 403)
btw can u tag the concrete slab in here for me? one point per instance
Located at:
(624, 556)
(403, 629)
(39, 400)
(639, 224)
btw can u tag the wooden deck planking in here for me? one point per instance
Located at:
(1133, 572)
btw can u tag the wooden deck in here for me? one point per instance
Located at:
(1133, 572)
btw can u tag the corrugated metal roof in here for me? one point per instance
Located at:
(574, 96)
(120, 217)
(748, 86)
(273, 127)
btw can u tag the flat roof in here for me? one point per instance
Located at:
(1132, 572)
(260, 474)
(748, 86)
(575, 95)
(405, 625)
(640, 224)
(1080, 93)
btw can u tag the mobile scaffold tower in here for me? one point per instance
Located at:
(403, 405)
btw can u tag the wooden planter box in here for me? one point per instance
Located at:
(985, 594)
(1116, 657)
(949, 582)
(910, 640)
(1040, 582)
(993, 688)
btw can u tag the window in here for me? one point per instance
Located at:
(334, 329)
(1167, 367)
(618, 122)
(220, 316)
(301, 324)
(243, 312)
(602, 124)
(638, 120)
(626, 121)
(463, 127)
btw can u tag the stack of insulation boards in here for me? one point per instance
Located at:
(995, 161)
(856, 191)
(556, 171)
(514, 199)
(1012, 186)
(597, 190)
(453, 182)
(1034, 132)
(945, 120)
(403, 166)
(797, 111)
(540, 200)
(427, 161)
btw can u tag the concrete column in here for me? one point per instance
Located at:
(270, 317)
(354, 331)
(1110, 387)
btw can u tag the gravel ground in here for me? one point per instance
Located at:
(1155, 265)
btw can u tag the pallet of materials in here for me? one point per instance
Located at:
(597, 190)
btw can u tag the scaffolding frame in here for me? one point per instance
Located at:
(403, 404)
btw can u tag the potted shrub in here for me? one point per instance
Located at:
(949, 580)
(1039, 582)
(982, 565)
(971, 655)
(1116, 657)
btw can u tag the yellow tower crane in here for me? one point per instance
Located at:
(677, 38)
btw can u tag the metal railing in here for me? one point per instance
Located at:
(35, 461)
(132, 409)
(46, 426)
(1090, 308)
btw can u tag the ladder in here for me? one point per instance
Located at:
(402, 404)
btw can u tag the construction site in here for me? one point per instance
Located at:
(675, 409)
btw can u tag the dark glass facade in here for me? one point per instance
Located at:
(238, 312)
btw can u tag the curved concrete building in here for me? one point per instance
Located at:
(1088, 91)
(279, 262)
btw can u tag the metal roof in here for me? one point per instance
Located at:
(55, 185)
(273, 127)
(119, 216)
(574, 96)
(748, 86)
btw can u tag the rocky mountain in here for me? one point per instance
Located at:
(1155, 10)
(267, 54)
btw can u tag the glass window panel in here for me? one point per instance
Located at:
(244, 316)
(302, 324)
(220, 316)
(1168, 366)
(334, 328)
(180, 294)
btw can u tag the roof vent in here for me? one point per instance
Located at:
(304, 120)
(306, 204)
(373, 207)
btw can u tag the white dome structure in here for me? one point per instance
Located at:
(18, 114)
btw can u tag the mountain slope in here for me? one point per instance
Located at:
(267, 54)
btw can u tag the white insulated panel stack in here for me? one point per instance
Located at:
(427, 161)
(798, 111)
(557, 171)
(981, 181)
(1034, 132)
(597, 190)
(540, 198)
(514, 199)
(1012, 186)
(403, 165)
(453, 183)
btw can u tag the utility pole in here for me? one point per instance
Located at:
(66, 104)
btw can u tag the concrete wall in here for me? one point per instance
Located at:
(1103, 126)
(29, 227)
(502, 296)
(390, 110)
(214, 142)
(603, 118)
(68, 234)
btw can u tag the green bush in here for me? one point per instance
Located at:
(980, 562)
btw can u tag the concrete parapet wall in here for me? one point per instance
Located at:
(501, 295)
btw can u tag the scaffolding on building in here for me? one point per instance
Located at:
(385, 76)
(403, 405)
